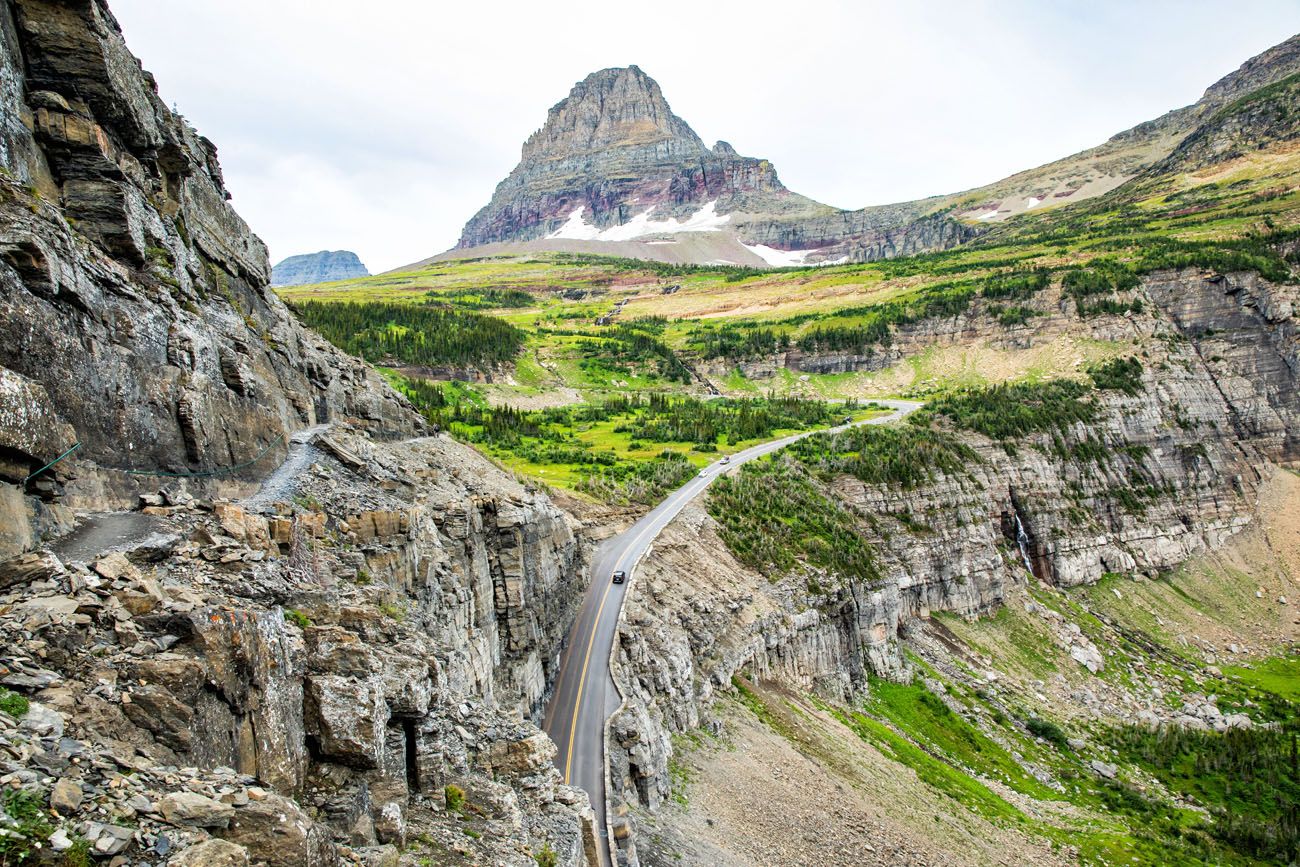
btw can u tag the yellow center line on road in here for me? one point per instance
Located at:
(652, 529)
(582, 678)
(582, 681)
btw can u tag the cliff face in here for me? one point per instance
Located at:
(135, 298)
(319, 267)
(361, 657)
(1218, 406)
(335, 669)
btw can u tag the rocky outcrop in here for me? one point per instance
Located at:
(613, 152)
(615, 149)
(1253, 122)
(332, 669)
(319, 267)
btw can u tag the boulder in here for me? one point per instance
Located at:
(390, 824)
(65, 796)
(190, 808)
(1104, 769)
(211, 853)
(347, 716)
(276, 830)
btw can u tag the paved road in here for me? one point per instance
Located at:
(585, 695)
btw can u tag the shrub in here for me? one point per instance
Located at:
(903, 456)
(13, 704)
(773, 515)
(455, 798)
(1118, 374)
(1048, 731)
(1010, 411)
(297, 618)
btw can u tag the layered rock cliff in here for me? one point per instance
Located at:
(1177, 475)
(319, 267)
(338, 668)
(134, 297)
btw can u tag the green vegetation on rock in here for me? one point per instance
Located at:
(904, 455)
(1015, 410)
(774, 515)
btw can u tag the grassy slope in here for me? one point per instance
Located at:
(972, 743)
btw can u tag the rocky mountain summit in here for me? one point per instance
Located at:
(614, 170)
(615, 149)
(322, 267)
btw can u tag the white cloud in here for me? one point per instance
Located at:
(381, 128)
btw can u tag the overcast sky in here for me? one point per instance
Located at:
(381, 127)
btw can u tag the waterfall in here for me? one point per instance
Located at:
(1022, 540)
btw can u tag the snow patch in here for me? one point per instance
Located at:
(988, 215)
(778, 258)
(706, 219)
(576, 228)
(1032, 202)
(789, 258)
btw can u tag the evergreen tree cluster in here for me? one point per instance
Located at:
(415, 334)
(773, 515)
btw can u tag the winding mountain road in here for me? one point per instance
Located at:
(585, 694)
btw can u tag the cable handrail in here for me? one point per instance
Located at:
(220, 471)
(31, 476)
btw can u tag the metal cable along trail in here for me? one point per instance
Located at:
(221, 471)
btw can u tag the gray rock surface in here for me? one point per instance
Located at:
(302, 680)
(319, 267)
(138, 318)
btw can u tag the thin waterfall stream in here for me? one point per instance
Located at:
(1022, 541)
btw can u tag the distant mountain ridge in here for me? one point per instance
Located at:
(614, 171)
(322, 267)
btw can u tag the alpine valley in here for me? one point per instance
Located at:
(671, 517)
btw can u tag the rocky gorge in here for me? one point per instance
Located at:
(257, 609)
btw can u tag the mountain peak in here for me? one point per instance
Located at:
(612, 109)
(613, 165)
(319, 267)
(1265, 68)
